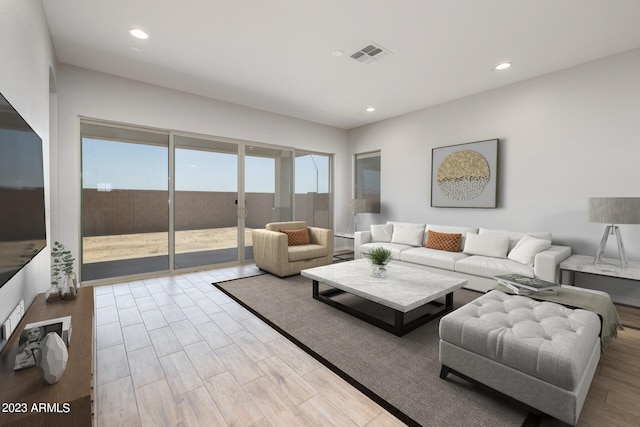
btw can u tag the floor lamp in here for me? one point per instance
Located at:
(611, 211)
(356, 206)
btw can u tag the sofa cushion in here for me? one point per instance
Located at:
(407, 236)
(452, 229)
(432, 257)
(302, 252)
(297, 237)
(381, 232)
(395, 248)
(406, 224)
(543, 339)
(527, 248)
(486, 245)
(443, 241)
(515, 236)
(490, 266)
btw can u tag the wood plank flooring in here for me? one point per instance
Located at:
(177, 351)
(615, 390)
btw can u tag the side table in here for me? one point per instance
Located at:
(345, 254)
(584, 264)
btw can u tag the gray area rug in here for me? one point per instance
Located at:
(400, 373)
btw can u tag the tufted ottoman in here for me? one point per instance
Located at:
(540, 353)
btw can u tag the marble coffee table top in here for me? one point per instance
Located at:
(404, 288)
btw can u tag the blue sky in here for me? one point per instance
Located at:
(140, 166)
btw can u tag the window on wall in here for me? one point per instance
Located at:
(367, 181)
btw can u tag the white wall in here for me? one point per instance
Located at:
(564, 137)
(106, 97)
(27, 56)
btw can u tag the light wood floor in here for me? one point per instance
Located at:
(615, 390)
(176, 351)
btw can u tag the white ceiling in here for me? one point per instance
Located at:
(276, 55)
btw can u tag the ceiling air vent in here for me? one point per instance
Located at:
(370, 53)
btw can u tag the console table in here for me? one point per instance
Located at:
(584, 264)
(29, 401)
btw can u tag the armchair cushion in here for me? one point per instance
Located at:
(302, 252)
(297, 237)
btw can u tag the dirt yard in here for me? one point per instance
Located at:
(125, 246)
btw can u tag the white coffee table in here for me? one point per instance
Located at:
(403, 290)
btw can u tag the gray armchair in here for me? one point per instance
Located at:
(272, 252)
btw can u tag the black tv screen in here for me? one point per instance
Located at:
(22, 207)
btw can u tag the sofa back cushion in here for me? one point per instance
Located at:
(381, 232)
(407, 236)
(495, 246)
(297, 237)
(406, 224)
(443, 241)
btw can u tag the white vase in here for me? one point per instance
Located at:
(53, 359)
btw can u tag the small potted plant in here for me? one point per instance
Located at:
(379, 258)
(62, 273)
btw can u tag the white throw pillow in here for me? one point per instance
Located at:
(515, 236)
(490, 245)
(381, 233)
(407, 236)
(527, 248)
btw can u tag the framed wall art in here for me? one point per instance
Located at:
(465, 175)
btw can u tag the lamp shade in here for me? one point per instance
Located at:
(357, 205)
(614, 210)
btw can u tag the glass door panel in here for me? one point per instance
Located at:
(205, 208)
(313, 189)
(268, 185)
(125, 214)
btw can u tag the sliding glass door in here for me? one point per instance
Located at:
(268, 183)
(313, 189)
(155, 202)
(206, 202)
(125, 214)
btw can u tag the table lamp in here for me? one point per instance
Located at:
(611, 211)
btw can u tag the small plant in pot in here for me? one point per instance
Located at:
(379, 257)
(62, 283)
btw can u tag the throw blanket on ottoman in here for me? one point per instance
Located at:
(540, 353)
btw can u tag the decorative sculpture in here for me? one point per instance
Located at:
(53, 360)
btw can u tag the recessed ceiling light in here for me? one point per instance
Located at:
(503, 66)
(371, 109)
(138, 33)
(337, 53)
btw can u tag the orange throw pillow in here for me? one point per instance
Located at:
(443, 241)
(297, 237)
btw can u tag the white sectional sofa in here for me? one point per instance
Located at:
(480, 254)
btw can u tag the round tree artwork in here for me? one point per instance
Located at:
(463, 175)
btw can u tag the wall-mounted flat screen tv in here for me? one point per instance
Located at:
(22, 207)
